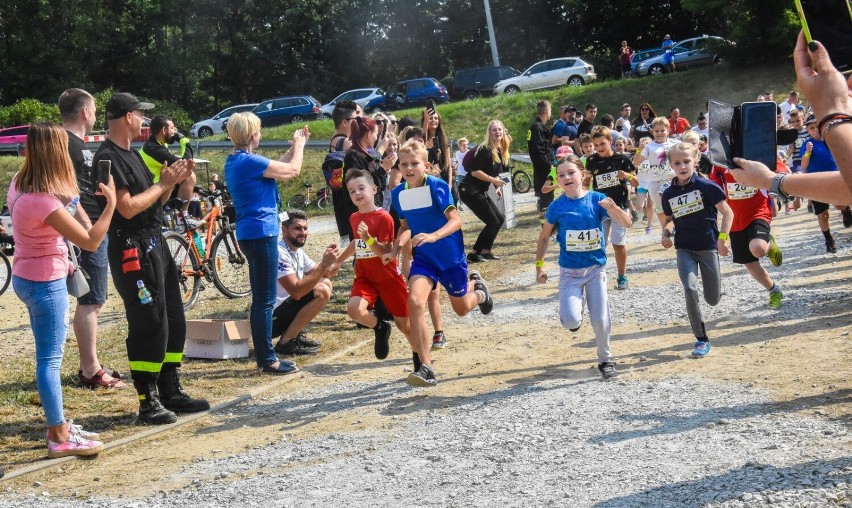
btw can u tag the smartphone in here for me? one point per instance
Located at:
(757, 127)
(830, 23)
(430, 105)
(102, 175)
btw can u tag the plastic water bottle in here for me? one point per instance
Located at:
(196, 237)
(144, 294)
(71, 207)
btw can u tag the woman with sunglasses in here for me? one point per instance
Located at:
(641, 127)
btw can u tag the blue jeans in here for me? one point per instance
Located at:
(47, 303)
(262, 255)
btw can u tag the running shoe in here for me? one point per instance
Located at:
(487, 303)
(607, 370)
(78, 429)
(774, 254)
(382, 332)
(424, 376)
(830, 246)
(489, 256)
(775, 299)
(416, 359)
(648, 230)
(76, 445)
(621, 282)
(634, 216)
(439, 341)
(847, 218)
(300, 345)
(701, 349)
(474, 257)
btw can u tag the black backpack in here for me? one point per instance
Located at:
(332, 166)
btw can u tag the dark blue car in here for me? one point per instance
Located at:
(415, 92)
(281, 110)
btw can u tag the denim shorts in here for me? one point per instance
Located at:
(96, 266)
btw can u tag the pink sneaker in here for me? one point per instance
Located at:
(78, 429)
(75, 445)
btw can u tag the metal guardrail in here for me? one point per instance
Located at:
(197, 146)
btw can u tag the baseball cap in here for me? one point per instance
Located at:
(702, 138)
(810, 119)
(563, 150)
(122, 103)
(569, 108)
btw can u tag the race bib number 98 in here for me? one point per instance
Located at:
(606, 180)
(737, 191)
(686, 204)
(582, 240)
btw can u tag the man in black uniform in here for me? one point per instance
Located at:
(541, 155)
(143, 272)
(155, 152)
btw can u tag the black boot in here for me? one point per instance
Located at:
(151, 411)
(174, 398)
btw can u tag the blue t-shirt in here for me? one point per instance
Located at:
(668, 51)
(424, 208)
(255, 197)
(821, 158)
(578, 229)
(693, 209)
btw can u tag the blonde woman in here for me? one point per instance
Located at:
(490, 159)
(43, 199)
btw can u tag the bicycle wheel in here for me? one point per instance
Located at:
(521, 182)
(188, 276)
(298, 201)
(5, 273)
(229, 266)
(322, 202)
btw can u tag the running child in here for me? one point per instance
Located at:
(550, 184)
(374, 279)
(654, 171)
(577, 216)
(609, 173)
(691, 205)
(430, 221)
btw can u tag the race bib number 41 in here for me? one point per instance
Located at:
(582, 240)
(737, 191)
(606, 180)
(686, 204)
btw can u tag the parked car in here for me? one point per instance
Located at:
(640, 56)
(479, 81)
(571, 71)
(212, 126)
(281, 110)
(412, 93)
(688, 53)
(370, 99)
(13, 135)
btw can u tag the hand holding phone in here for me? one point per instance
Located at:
(830, 23)
(430, 105)
(102, 172)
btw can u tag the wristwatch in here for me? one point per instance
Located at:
(775, 188)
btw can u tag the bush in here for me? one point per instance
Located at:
(28, 111)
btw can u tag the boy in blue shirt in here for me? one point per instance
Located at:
(429, 219)
(577, 215)
(690, 205)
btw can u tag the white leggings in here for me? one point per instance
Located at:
(573, 282)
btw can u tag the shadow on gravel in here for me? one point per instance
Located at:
(732, 485)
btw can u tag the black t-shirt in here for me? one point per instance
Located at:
(641, 129)
(81, 157)
(585, 127)
(129, 172)
(539, 145)
(604, 178)
(158, 152)
(482, 161)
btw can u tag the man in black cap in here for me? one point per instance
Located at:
(142, 269)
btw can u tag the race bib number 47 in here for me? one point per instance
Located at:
(582, 240)
(686, 204)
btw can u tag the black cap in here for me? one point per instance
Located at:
(122, 103)
(571, 108)
(702, 138)
(810, 119)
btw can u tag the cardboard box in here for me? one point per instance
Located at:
(218, 339)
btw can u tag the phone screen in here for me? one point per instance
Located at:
(103, 172)
(758, 130)
(829, 22)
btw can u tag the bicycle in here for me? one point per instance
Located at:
(303, 200)
(521, 181)
(217, 259)
(5, 272)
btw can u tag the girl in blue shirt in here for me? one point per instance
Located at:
(577, 216)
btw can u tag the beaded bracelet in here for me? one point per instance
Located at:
(827, 118)
(832, 123)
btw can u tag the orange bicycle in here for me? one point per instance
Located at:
(216, 257)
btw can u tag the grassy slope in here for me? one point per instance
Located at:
(689, 91)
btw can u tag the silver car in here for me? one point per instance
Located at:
(688, 53)
(556, 72)
(370, 99)
(212, 126)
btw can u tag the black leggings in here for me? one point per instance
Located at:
(486, 211)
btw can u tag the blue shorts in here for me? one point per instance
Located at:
(96, 266)
(454, 279)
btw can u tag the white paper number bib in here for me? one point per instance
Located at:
(582, 240)
(686, 204)
(606, 180)
(737, 191)
(362, 250)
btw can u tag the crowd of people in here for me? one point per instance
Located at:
(398, 190)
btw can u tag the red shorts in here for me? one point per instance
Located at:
(392, 291)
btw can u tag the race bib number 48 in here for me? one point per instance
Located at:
(582, 240)
(606, 180)
(737, 191)
(686, 204)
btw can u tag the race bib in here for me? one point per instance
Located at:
(663, 169)
(664, 186)
(737, 191)
(645, 167)
(415, 199)
(686, 204)
(582, 240)
(362, 250)
(607, 180)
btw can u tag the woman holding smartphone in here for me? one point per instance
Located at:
(490, 159)
(43, 199)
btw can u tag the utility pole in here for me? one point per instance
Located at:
(494, 56)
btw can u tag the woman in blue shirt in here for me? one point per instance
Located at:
(251, 180)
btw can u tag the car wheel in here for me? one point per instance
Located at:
(296, 119)
(718, 59)
(471, 95)
(512, 89)
(656, 70)
(576, 81)
(205, 132)
(326, 116)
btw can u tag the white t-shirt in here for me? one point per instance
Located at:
(290, 262)
(786, 107)
(706, 131)
(459, 157)
(625, 127)
(657, 169)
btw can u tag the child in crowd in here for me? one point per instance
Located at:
(794, 150)
(550, 184)
(690, 207)
(586, 147)
(374, 279)
(459, 169)
(620, 145)
(654, 171)
(609, 173)
(577, 217)
(430, 221)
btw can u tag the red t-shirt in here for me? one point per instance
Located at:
(678, 127)
(748, 203)
(367, 264)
